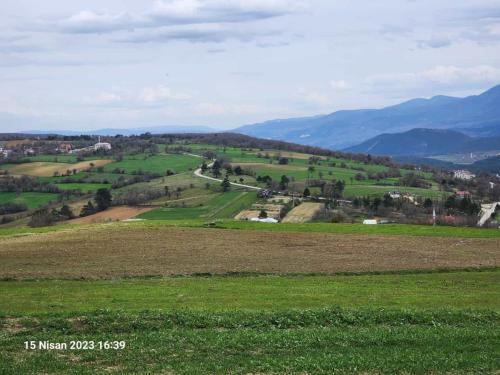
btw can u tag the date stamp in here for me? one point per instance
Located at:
(74, 345)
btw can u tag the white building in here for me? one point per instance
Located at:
(102, 145)
(463, 174)
(5, 153)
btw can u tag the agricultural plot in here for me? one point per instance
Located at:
(451, 290)
(138, 250)
(31, 199)
(48, 169)
(155, 163)
(303, 213)
(219, 205)
(112, 214)
(83, 187)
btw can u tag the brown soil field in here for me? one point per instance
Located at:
(47, 169)
(112, 214)
(303, 213)
(109, 251)
(18, 142)
(288, 154)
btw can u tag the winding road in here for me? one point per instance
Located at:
(199, 174)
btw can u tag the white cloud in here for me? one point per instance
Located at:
(177, 12)
(147, 96)
(440, 76)
(340, 85)
(218, 109)
(161, 93)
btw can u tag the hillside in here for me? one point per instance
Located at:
(425, 142)
(346, 128)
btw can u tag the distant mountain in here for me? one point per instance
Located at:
(131, 131)
(477, 115)
(425, 142)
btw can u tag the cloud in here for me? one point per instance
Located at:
(437, 78)
(340, 85)
(435, 42)
(176, 12)
(161, 93)
(147, 96)
(205, 33)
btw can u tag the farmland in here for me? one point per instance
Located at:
(155, 163)
(189, 289)
(47, 169)
(30, 199)
(271, 319)
(136, 250)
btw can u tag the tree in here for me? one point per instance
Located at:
(262, 214)
(204, 167)
(238, 170)
(167, 190)
(103, 199)
(306, 192)
(42, 218)
(87, 209)
(428, 203)
(226, 185)
(216, 168)
(66, 212)
(284, 182)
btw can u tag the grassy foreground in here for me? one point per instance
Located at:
(416, 323)
(447, 290)
(329, 341)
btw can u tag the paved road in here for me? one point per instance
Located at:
(199, 174)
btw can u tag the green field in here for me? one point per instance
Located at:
(83, 187)
(219, 205)
(31, 199)
(156, 163)
(242, 325)
(389, 229)
(450, 290)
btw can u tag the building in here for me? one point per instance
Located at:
(463, 194)
(5, 152)
(29, 152)
(463, 174)
(102, 145)
(65, 148)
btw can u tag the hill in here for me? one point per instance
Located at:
(346, 128)
(425, 142)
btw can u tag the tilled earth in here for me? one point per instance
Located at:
(128, 251)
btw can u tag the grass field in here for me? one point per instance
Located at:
(31, 199)
(451, 290)
(156, 163)
(316, 227)
(84, 187)
(242, 325)
(219, 205)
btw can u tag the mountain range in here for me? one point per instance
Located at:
(425, 142)
(477, 115)
(128, 131)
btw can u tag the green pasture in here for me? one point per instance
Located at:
(219, 205)
(31, 199)
(155, 163)
(450, 290)
(83, 187)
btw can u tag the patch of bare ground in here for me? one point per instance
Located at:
(112, 214)
(136, 251)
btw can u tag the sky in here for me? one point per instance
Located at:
(84, 65)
